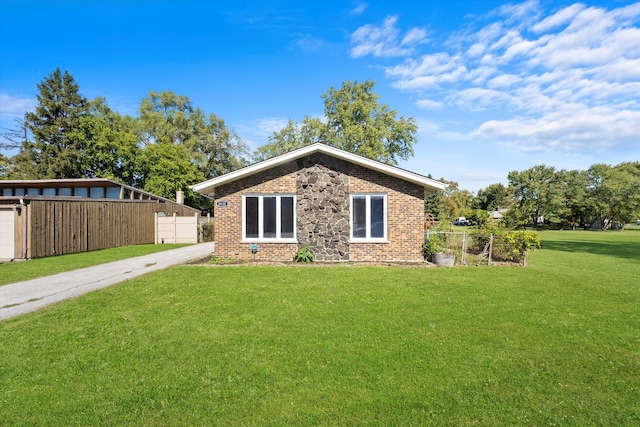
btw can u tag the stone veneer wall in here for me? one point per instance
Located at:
(322, 187)
(323, 184)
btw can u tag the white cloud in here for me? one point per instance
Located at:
(12, 107)
(565, 132)
(360, 7)
(385, 40)
(429, 104)
(559, 18)
(257, 132)
(306, 43)
(529, 78)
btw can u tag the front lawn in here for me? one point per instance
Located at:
(556, 343)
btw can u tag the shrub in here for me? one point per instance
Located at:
(434, 244)
(519, 242)
(303, 254)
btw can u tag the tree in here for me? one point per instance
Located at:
(495, 196)
(614, 192)
(455, 202)
(354, 121)
(112, 149)
(58, 146)
(578, 207)
(168, 169)
(12, 138)
(291, 137)
(182, 146)
(219, 150)
(537, 194)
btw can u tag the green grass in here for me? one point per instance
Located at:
(557, 343)
(16, 271)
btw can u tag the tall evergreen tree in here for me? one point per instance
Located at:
(58, 145)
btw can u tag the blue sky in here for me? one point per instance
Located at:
(493, 86)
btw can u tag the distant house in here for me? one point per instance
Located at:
(344, 207)
(497, 214)
(41, 218)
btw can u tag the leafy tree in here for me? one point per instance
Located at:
(112, 149)
(182, 146)
(537, 193)
(291, 137)
(578, 209)
(169, 169)
(354, 121)
(58, 147)
(169, 118)
(219, 150)
(456, 202)
(495, 196)
(4, 166)
(614, 192)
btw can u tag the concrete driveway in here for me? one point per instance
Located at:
(25, 297)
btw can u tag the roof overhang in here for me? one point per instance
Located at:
(208, 187)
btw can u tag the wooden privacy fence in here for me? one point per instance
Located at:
(58, 227)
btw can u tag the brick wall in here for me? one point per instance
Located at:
(228, 219)
(405, 217)
(405, 206)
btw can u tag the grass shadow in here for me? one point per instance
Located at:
(616, 249)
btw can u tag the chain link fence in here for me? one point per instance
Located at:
(477, 249)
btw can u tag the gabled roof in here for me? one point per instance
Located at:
(208, 187)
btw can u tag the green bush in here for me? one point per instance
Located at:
(434, 244)
(303, 254)
(508, 245)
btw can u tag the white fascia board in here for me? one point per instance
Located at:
(207, 187)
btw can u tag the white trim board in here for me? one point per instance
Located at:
(208, 187)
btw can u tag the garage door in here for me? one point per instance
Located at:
(7, 231)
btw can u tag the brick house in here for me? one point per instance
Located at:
(344, 207)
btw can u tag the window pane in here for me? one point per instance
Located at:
(113, 193)
(377, 216)
(251, 217)
(286, 217)
(359, 216)
(269, 217)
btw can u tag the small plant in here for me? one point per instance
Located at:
(433, 245)
(303, 254)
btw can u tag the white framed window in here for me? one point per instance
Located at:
(369, 217)
(269, 217)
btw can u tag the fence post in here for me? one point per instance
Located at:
(463, 261)
(155, 230)
(175, 227)
(490, 248)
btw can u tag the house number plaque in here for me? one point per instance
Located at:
(222, 204)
